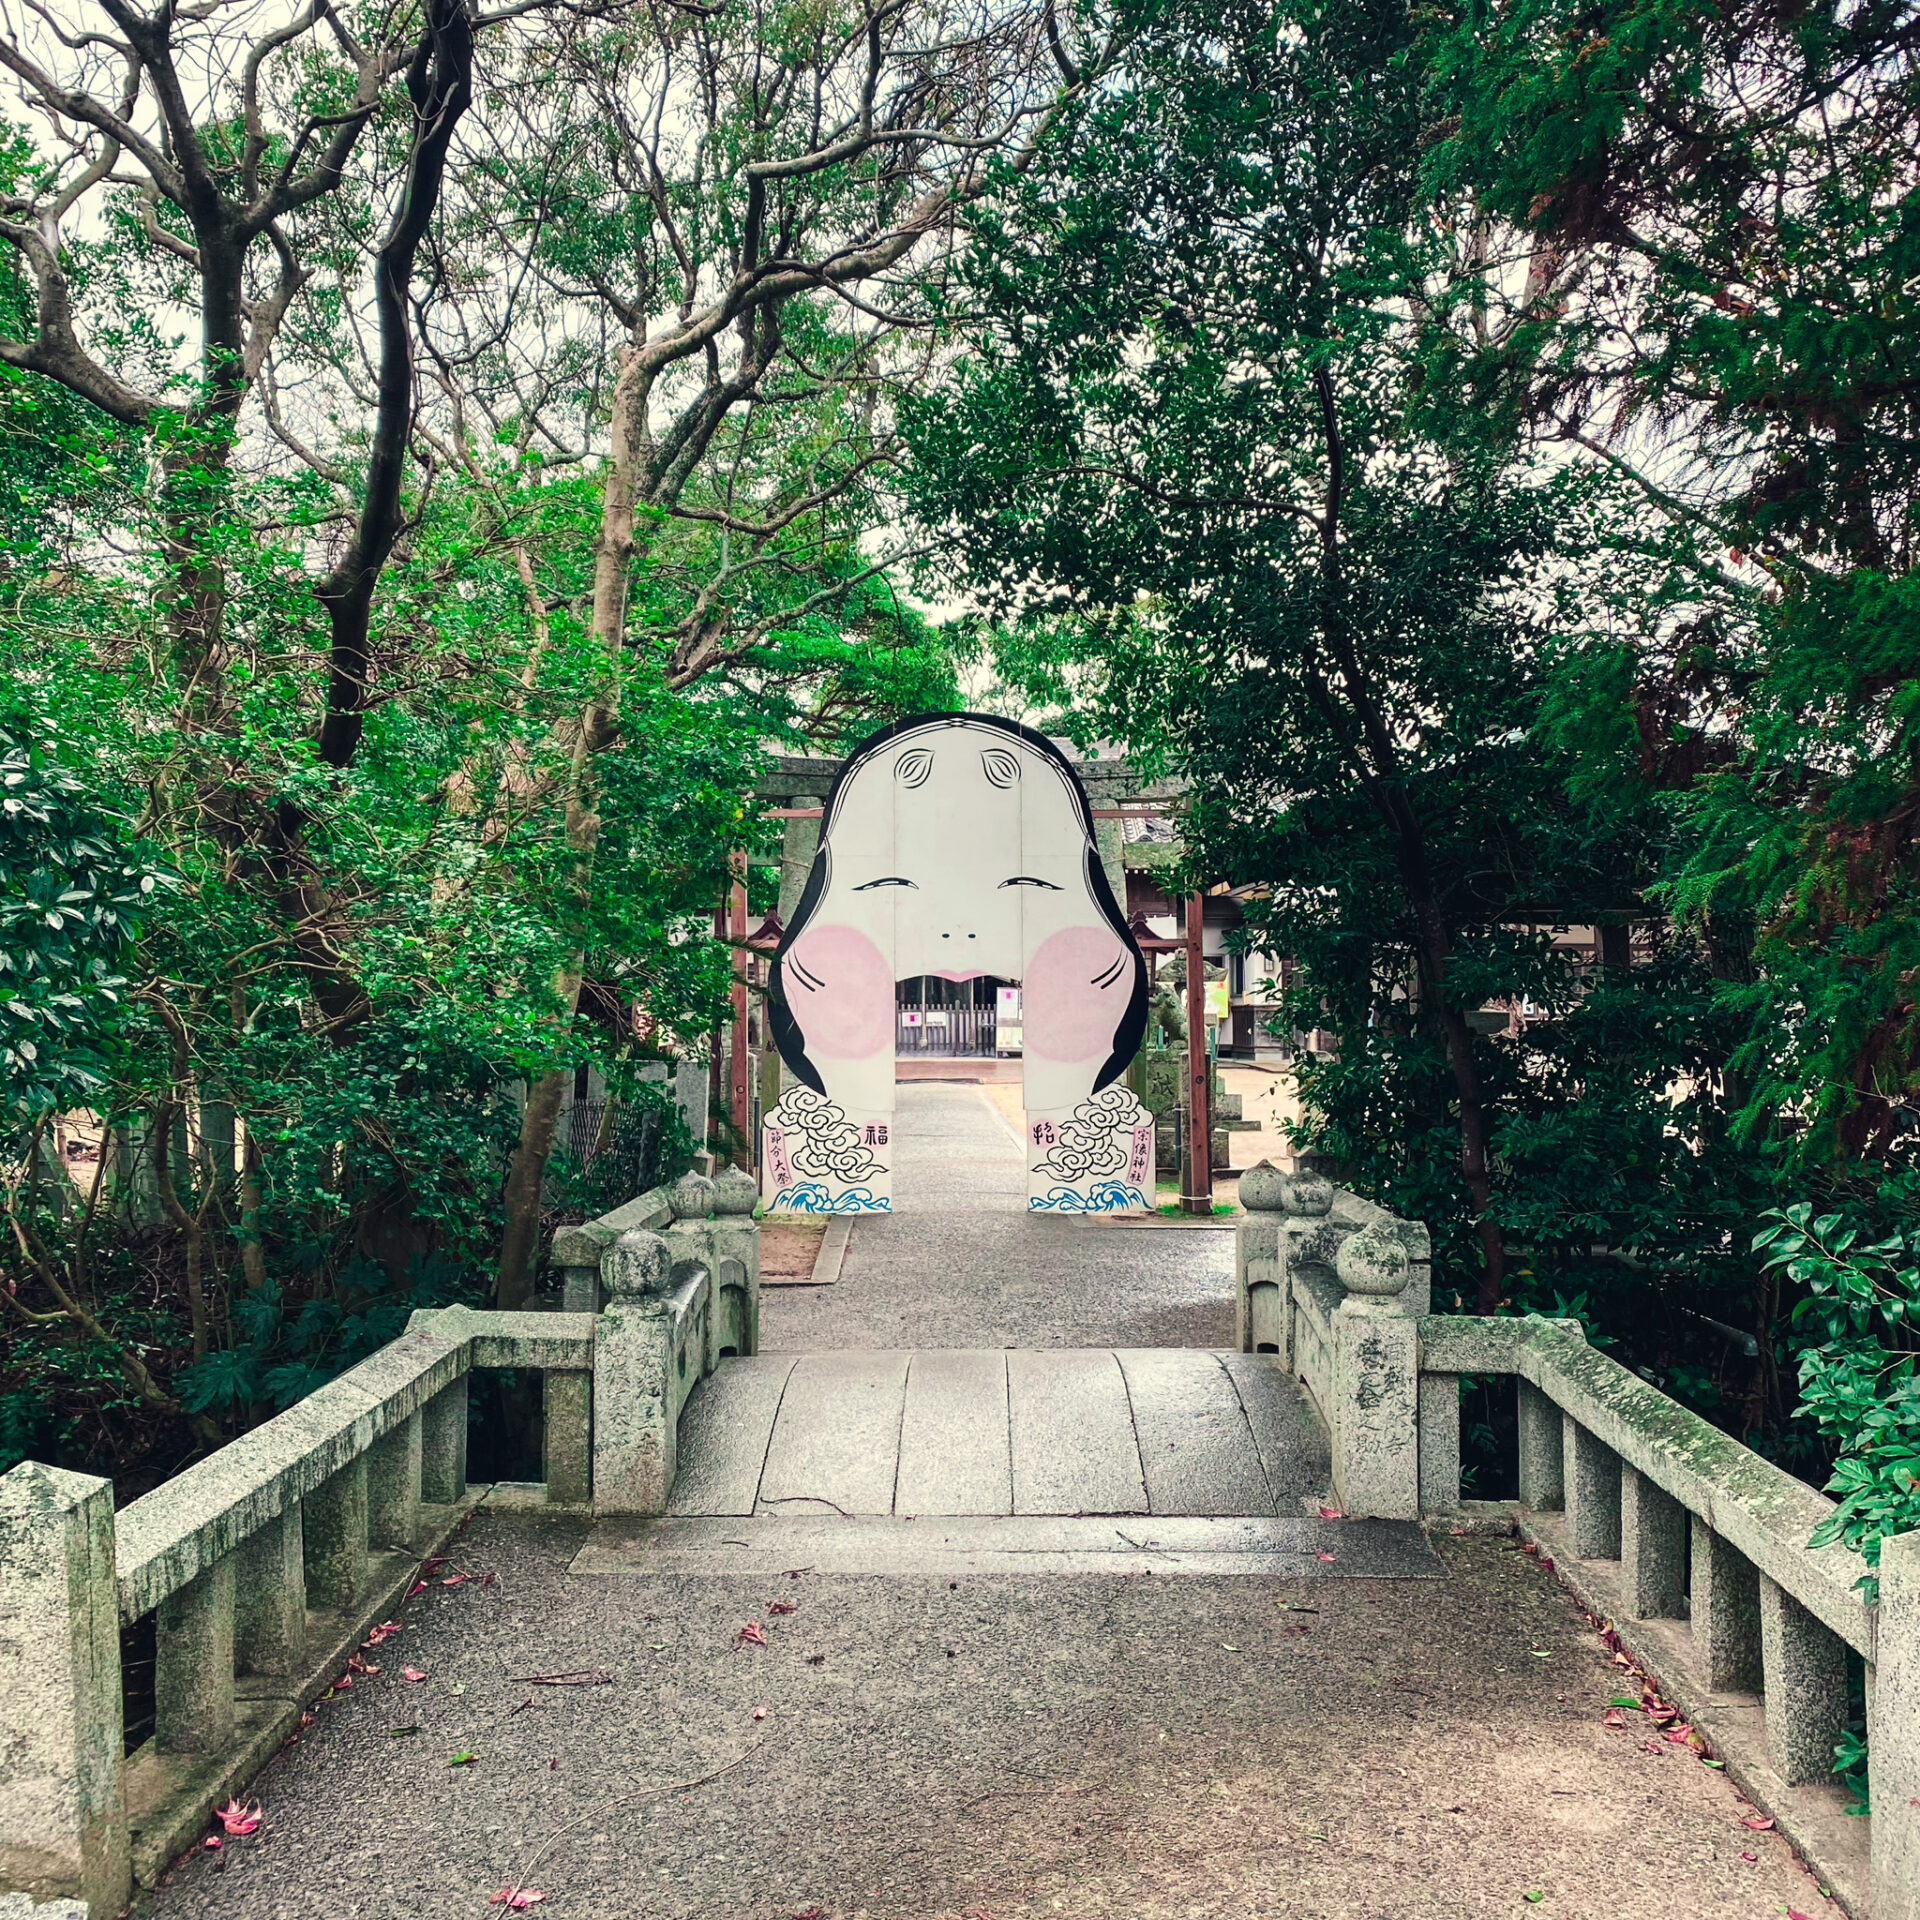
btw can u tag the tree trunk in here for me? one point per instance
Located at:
(253, 1259)
(613, 556)
(1436, 947)
(514, 1280)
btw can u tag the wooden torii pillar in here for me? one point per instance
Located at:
(1196, 1172)
(739, 1096)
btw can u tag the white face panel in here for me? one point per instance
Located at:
(958, 853)
(957, 850)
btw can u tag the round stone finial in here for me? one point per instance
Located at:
(1307, 1193)
(735, 1192)
(1373, 1262)
(692, 1197)
(1263, 1188)
(636, 1264)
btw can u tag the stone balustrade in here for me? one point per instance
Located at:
(682, 1294)
(263, 1566)
(1338, 1286)
(1691, 1545)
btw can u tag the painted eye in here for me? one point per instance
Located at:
(1023, 880)
(892, 880)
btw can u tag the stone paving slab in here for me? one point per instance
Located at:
(1290, 1441)
(1019, 1544)
(1196, 1443)
(723, 1435)
(972, 1431)
(1089, 1746)
(955, 1453)
(836, 1438)
(1073, 1443)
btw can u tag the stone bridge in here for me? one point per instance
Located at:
(1033, 1566)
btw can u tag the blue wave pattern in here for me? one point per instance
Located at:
(810, 1197)
(1110, 1196)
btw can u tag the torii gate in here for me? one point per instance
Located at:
(957, 845)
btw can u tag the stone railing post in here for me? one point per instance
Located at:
(393, 1485)
(1543, 1450)
(568, 1437)
(334, 1534)
(270, 1597)
(734, 1237)
(1375, 1413)
(634, 1432)
(1259, 1285)
(193, 1665)
(1592, 1471)
(1803, 1681)
(1723, 1613)
(1893, 1732)
(577, 1254)
(63, 1823)
(1653, 1547)
(1439, 1422)
(443, 1446)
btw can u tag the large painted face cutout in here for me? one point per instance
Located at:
(957, 845)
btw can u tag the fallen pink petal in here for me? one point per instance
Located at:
(515, 1898)
(236, 1818)
(413, 1673)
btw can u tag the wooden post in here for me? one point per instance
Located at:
(739, 1103)
(1196, 1186)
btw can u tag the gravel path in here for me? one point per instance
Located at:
(1150, 1747)
(961, 1263)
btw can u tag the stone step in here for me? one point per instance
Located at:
(819, 1541)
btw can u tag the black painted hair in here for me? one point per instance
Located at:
(785, 1029)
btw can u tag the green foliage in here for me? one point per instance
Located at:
(1207, 485)
(73, 896)
(1244, 444)
(1720, 209)
(278, 1357)
(646, 1144)
(1860, 1266)
(361, 994)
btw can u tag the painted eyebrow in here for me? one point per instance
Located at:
(1024, 880)
(891, 880)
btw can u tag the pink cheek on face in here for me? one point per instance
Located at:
(1067, 1016)
(848, 1015)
